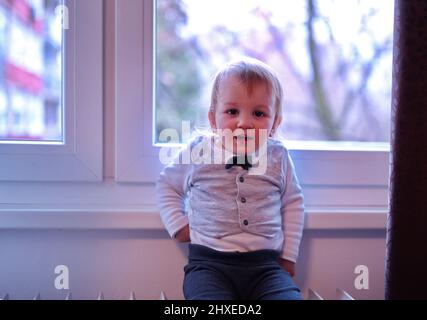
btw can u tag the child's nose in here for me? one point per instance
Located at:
(245, 121)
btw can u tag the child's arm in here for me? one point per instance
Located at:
(292, 216)
(171, 190)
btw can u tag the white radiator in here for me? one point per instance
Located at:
(312, 295)
(100, 296)
(339, 295)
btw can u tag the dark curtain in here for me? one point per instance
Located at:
(406, 265)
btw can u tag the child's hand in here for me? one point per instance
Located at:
(183, 235)
(289, 266)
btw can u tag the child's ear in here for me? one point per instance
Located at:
(276, 124)
(211, 116)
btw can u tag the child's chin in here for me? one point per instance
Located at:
(242, 149)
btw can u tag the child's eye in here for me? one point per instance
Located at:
(232, 111)
(259, 114)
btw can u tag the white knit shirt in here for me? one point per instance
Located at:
(232, 209)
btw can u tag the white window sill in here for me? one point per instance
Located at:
(148, 219)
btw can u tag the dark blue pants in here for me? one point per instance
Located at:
(256, 275)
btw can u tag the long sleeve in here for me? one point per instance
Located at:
(171, 190)
(292, 212)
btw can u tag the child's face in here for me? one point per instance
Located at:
(237, 108)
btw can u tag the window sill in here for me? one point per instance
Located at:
(147, 218)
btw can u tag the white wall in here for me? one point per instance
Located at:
(329, 257)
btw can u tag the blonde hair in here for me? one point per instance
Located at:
(250, 71)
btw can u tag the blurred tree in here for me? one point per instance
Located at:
(322, 106)
(178, 80)
(332, 101)
(356, 96)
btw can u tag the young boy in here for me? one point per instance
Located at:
(245, 226)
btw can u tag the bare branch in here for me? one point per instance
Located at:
(367, 71)
(330, 127)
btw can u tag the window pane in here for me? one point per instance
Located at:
(333, 58)
(31, 70)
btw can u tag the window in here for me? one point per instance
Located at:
(31, 67)
(334, 59)
(46, 86)
(331, 174)
(62, 185)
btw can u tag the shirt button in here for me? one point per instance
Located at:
(241, 179)
(245, 222)
(243, 200)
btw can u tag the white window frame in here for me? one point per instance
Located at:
(324, 170)
(79, 157)
(137, 159)
(348, 196)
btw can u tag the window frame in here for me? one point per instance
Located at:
(138, 161)
(125, 198)
(79, 157)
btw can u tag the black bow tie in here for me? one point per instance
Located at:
(242, 161)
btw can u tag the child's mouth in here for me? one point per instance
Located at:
(242, 138)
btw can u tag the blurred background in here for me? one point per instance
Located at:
(333, 58)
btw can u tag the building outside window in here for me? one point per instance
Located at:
(31, 43)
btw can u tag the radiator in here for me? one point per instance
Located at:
(69, 296)
(339, 295)
(312, 295)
